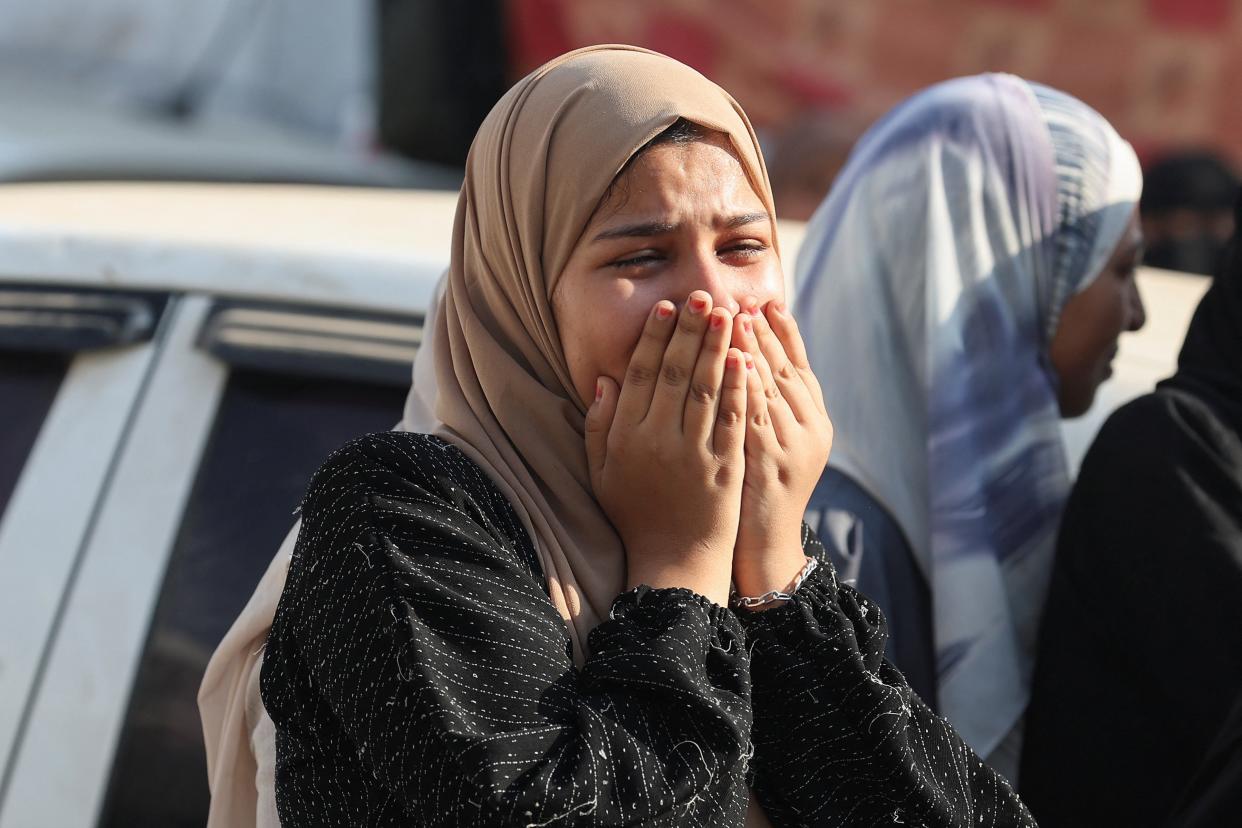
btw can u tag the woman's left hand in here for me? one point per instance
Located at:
(788, 438)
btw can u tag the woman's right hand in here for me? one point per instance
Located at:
(666, 450)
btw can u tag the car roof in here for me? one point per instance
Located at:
(364, 248)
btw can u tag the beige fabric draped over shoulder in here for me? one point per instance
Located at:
(538, 167)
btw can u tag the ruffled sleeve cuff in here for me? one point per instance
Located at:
(823, 609)
(657, 611)
(678, 636)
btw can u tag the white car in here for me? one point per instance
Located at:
(175, 361)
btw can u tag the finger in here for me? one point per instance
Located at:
(778, 410)
(786, 329)
(668, 402)
(785, 374)
(599, 419)
(757, 416)
(644, 368)
(729, 433)
(744, 338)
(705, 385)
(760, 431)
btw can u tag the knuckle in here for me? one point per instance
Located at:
(788, 372)
(673, 374)
(772, 392)
(640, 375)
(703, 392)
(759, 419)
(653, 336)
(728, 417)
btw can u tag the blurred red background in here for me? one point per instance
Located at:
(1163, 71)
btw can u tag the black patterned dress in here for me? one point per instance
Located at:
(418, 674)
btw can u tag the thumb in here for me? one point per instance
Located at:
(598, 423)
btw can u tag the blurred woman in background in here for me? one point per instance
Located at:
(1187, 211)
(1140, 656)
(961, 290)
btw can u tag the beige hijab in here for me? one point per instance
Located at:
(537, 169)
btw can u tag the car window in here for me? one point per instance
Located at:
(270, 434)
(41, 328)
(28, 385)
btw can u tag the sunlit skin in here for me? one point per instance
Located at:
(1093, 320)
(706, 431)
(682, 218)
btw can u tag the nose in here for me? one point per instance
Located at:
(1138, 314)
(730, 288)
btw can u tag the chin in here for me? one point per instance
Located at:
(1075, 405)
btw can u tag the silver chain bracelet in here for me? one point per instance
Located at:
(776, 595)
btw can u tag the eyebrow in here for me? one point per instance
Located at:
(646, 229)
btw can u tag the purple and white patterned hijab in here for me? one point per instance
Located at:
(929, 285)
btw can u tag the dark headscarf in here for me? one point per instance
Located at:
(1188, 181)
(1140, 654)
(1210, 364)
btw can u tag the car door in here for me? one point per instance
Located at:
(73, 363)
(243, 401)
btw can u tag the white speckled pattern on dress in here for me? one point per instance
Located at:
(418, 674)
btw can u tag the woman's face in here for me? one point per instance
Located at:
(1091, 323)
(682, 218)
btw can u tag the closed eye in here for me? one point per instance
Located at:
(744, 250)
(643, 259)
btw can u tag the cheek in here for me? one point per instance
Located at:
(599, 329)
(1109, 317)
(774, 281)
(1098, 318)
(766, 279)
(622, 331)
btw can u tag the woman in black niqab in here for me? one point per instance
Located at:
(1140, 655)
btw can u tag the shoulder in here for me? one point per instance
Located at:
(415, 457)
(840, 505)
(1156, 434)
(397, 463)
(392, 481)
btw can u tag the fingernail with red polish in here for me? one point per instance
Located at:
(599, 390)
(747, 325)
(750, 361)
(716, 322)
(663, 311)
(698, 304)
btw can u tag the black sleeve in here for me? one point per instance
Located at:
(415, 642)
(1143, 621)
(840, 738)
